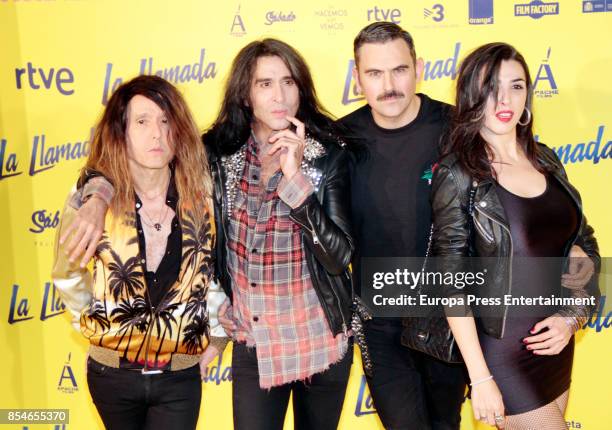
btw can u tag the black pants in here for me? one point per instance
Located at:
(317, 403)
(411, 390)
(127, 399)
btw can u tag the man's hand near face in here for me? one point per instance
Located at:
(291, 146)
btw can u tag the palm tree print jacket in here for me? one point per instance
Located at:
(111, 306)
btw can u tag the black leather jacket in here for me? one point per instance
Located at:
(324, 218)
(488, 235)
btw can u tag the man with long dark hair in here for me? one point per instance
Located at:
(281, 181)
(400, 131)
(281, 198)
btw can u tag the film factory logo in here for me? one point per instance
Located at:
(536, 9)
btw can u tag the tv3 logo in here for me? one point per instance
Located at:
(436, 13)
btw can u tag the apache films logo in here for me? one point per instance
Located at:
(544, 84)
(67, 382)
(536, 9)
(481, 12)
(238, 29)
(595, 6)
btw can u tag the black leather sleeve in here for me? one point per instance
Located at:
(449, 216)
(585, 240)
(586, 236)
(451, 233)
(326, 223)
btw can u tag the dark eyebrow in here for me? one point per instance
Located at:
(518, 80)
(401, 66)
(262, 80)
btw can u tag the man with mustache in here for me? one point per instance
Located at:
(400, 131)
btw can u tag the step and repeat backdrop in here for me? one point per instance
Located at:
(61, 59)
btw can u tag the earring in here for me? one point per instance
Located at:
(528, 118)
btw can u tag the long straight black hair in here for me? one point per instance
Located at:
(232, 126)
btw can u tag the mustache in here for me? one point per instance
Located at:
(390, 95)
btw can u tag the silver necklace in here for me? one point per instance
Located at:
(156, 225)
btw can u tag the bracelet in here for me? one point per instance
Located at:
(480, 381)
(572, 323)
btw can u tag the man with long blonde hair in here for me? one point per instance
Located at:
(149, 310)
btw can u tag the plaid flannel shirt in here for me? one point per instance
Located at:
(275, 305)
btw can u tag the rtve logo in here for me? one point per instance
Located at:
(35, 77)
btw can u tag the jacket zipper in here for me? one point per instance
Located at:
(311, 230)
(316, 241)
(482, 231)
(510, 268)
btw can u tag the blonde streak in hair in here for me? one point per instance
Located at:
(190, 173)
(113, 165)
(201, 178)
(188, 181)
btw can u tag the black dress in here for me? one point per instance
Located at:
(540, 227)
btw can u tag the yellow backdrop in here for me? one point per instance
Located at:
(61, 59)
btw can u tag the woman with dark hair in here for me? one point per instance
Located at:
(149, 310)
(500, 195)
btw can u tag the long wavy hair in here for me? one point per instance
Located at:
(477, 81)
(109, 154)
(231, 128)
